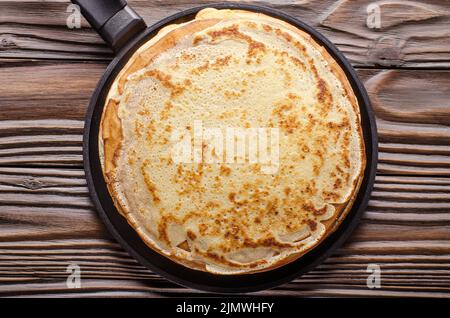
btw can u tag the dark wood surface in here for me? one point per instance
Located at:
(47, 220)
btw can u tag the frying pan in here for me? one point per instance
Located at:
(125, 32)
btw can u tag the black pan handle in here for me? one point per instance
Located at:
(114, 20)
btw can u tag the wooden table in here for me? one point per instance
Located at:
(47, 220)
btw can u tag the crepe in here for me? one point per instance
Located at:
(232, 70)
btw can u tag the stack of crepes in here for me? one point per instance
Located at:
(232, 68)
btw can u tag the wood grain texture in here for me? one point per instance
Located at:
(42, 119)
(47, 221)
(410, 34)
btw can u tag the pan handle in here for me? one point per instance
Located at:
(114, 20)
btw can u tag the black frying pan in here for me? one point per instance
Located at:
(125, 32)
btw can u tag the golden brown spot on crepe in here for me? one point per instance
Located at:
(138, 128)
(163, 224)
(345, 123)
(311, 209)
(197, 40)
(300, 47)
(298, 63)
(324, 95)
(191, 215)
(212, 205)
(131, 157)
(151, 187)
(185, 56)
(320, 211)
(225, 171)
(330, 195)
(284, 35)
(162, 230)
(151, 129)
(287, 190)
(165, 80)
(202, 227)
(191, 235)
(287, 78)
(144, 112)
(190, 180)
(337, 184)
(281, 62)
(231, 94)
(305, 149)
(233, 31)
(289, 123)
(216, 65)
(250, 24)
(200, 69)
(281, 108)
(347, 161)
(267, 28)
(255, 47)
(293, 96)
(165, 112)
(271, 206)
(222, 61)
(312, 225)
(185, 246)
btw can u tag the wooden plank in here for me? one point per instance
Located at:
(48, 222)
(54, 192)
(43, 106)
(410, 33)
(35, 90)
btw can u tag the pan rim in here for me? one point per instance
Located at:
(180, 274)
